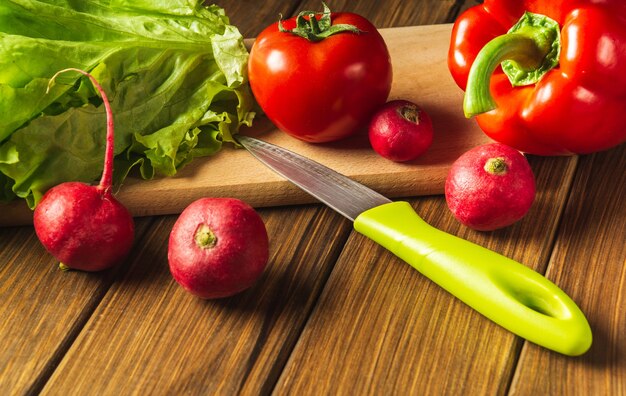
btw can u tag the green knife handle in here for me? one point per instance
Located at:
(505, 291)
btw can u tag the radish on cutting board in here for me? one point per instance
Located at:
(490, 187)
(400, 131)
(81, 225)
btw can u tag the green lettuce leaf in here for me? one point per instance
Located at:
(174, 71)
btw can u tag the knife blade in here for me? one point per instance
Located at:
(507, 292)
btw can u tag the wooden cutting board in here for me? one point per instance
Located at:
(420, 74)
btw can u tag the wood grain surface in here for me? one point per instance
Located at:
(158, 338)
(391, 321)
(334, 313)
(42, 308)
(589, 262)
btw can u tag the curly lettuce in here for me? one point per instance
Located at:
(174, 70)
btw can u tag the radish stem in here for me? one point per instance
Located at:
(106, 182)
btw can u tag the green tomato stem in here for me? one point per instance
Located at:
(315, 26)
(314, 29)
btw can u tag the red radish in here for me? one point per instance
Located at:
(400, 131)
(490, 187)
(218, 247)
(81, 225)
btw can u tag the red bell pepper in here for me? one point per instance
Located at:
(545, 77)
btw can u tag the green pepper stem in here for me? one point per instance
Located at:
(514, 46)
(527, 52)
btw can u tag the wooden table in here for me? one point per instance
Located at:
(334, 313)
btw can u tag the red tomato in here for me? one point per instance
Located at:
(324, 90)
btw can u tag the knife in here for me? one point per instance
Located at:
(509, 293)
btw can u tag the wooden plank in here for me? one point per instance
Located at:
(589, 261)
(250, 19)
(382, 328)
(42, 309)
(149, 336)
(420, 74)
(385, 14)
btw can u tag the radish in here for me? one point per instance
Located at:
(490, 187)
(400, 131)
(218, 247)
(81, 225)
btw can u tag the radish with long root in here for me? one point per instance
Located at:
(81, 225)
